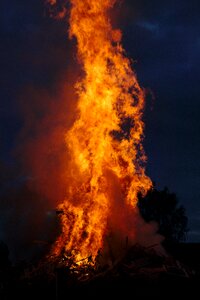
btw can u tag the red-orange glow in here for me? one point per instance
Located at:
(104, 160)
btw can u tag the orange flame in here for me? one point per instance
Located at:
(105, 140)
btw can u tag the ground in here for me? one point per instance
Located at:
(141, 274)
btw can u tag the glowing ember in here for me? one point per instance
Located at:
(106, 156)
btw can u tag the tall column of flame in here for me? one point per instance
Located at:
(108, 96)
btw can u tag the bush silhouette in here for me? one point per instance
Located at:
(163, 207)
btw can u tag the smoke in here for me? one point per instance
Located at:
(126, 227)
(33, 185)
(41, 146)
(27, 228)
(43, 158)
(34, 188)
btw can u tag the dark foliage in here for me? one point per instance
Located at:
(163, 207)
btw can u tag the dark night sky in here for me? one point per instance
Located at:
(164, 39)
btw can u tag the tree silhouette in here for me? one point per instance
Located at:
(162, 207)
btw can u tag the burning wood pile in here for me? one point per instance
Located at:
(138, 267)
(138, 263)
